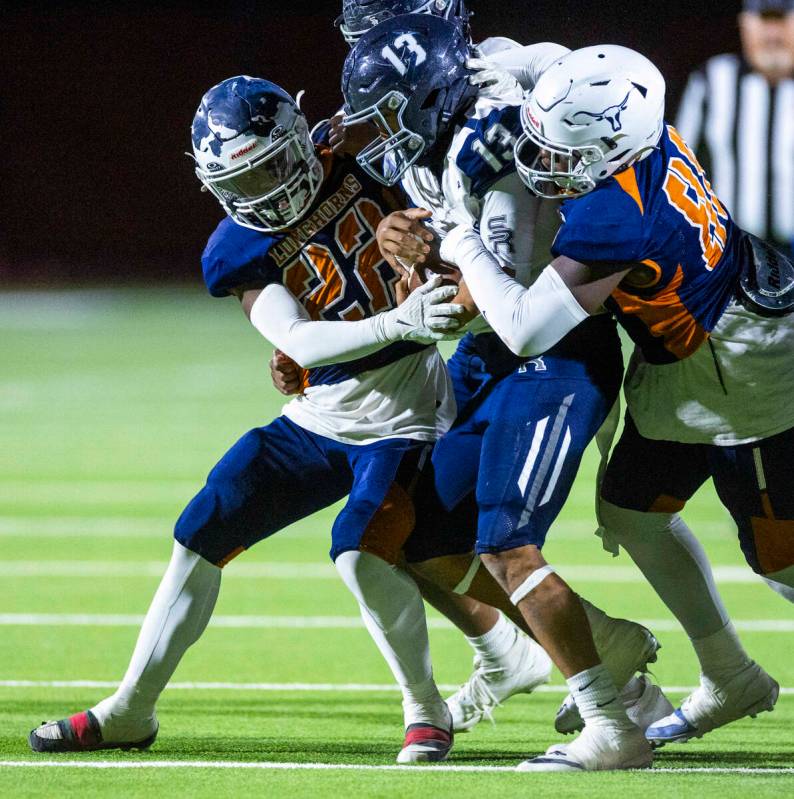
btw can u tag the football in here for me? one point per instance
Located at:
(421, 273)
(433, 265)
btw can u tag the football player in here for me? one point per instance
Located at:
(359, 16)
(709, 308)
(497, 643)
(495, 58)
(298, 250)
(520, 437)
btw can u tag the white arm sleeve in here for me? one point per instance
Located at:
(283, 321)
(527, 64)
(529, 320)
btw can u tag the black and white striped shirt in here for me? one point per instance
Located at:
(742, 130)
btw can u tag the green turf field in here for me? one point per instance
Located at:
(113, 406)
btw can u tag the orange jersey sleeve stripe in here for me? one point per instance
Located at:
(666, 317)
(628, 182)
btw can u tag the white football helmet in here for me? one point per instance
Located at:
(592, 113)
(253, 151)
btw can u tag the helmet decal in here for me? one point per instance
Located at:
(611, 113)
(233, 114)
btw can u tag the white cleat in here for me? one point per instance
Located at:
(525, 668)
(600, 747)
(625, 648)
(709, 706)
(643, 710)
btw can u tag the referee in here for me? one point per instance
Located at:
(737, 113)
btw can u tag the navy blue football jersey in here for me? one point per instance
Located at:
(661, 213)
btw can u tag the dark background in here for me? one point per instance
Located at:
(96, 102)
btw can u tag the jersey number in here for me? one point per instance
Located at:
(497, 149)
(404, 40)
(690, 193)
(320, 278)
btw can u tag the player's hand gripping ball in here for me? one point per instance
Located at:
(412, 250)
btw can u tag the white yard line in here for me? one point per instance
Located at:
(309, 687)
(315, 622)
(96, 492)
(265, 766)
(97, 568)
(35, 527)
(312, 571)
(153, 526)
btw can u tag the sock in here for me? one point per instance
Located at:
(597, 698)
(177, 617)
(673, 562)
(493, 647)
(721, 654)
(394, 614)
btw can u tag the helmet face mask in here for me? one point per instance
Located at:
(359, 16)
(396, 148)
(594, 113)
(553, 171)
(254, 153)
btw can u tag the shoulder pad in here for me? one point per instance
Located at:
(237, 256)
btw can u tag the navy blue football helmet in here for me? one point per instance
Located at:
(253, 151)
(358, 16)
(407, 77)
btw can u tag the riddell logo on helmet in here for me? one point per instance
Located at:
(243, 151)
